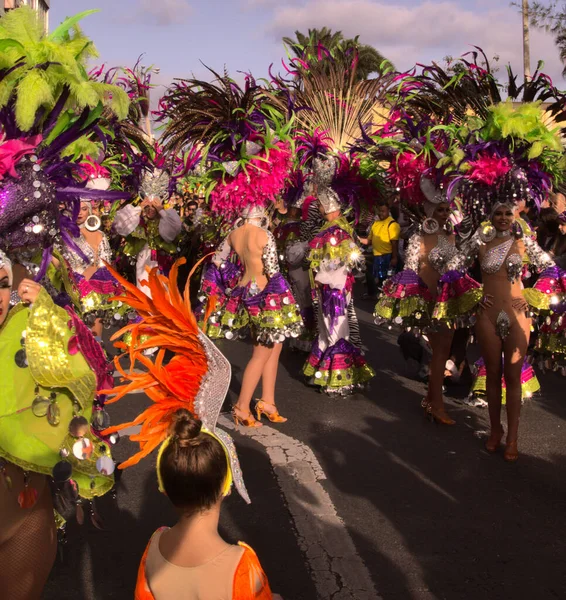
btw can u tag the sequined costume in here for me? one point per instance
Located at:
(407, 300)
(93, 294)
(292, 252)
(52, 369)
(529, 383)
(500, 259)
(336, 362)
(149, 242)
(271, 313)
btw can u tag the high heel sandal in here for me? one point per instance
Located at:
(274, 416)
(438, 417)
(247, 421)
(494, 441)
(511, 453)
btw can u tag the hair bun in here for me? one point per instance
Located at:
(186, 428)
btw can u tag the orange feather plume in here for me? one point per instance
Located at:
(169, 324)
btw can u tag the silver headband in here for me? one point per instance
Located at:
(6, 264)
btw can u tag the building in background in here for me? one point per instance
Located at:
(42, 7)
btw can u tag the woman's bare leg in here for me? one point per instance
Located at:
(491, 348)
(269, 376)
(514, 349)
(440, 342)
(252, 374)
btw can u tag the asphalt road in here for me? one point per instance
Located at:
(430, 513)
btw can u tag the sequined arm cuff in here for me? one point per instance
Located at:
(222, 253)
(467, 254)
(540, 260)
(413, 252)
(269, 257)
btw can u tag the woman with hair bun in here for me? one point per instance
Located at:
(197, 462)
(191, 560)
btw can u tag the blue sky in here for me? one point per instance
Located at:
(245, 35)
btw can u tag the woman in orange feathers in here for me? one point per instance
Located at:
(197, 462)
(191, 561)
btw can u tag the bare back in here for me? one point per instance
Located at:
(249, 241)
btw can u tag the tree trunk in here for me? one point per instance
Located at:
(526, 42)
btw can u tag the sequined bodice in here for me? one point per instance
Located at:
(94, 257)
(495, 257)
(269, 257)
(441, 254)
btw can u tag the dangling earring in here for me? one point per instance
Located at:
(430, 226)
(93, 223)
(448, 228)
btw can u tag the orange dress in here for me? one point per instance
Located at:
(250, 582)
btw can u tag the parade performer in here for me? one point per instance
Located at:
(502, 167)
(150, 230)
(196, 462)
(292, 252)
(248, 171)
(51, 371)
(87, 257)
(336, 362)
(503, 322)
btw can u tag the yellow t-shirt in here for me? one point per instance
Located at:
(381, 235)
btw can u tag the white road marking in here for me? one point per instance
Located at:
(338, 571)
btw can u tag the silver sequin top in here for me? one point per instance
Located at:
(439, 257)
(95, 258)
(496, 256)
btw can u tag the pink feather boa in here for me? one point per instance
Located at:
(260, 184)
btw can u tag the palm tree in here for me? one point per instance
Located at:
(369, 59)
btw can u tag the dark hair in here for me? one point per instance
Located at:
(547, 231)
(193, 203)
(193, 466)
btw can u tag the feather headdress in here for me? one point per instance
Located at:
(196, 378)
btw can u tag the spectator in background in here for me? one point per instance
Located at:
(384, 240)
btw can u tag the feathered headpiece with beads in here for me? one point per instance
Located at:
(197, 378)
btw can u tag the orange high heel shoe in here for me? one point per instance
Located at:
(247, 421)
(511, 453)
(494, 441)
(274, 416)
(439, 416)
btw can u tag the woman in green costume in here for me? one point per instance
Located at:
(51, 370)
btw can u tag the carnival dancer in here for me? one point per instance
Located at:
(292, 252)
(246, 139)
(408, 297)
(336, 363)
(503, 322)
(51, 370)
(87, 257)
(197, 463)
(263, 300)
(150, 230)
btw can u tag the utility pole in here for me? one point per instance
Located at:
(526, 42)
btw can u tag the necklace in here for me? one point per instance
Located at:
(502, 234)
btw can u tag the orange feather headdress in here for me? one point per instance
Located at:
(196, 378)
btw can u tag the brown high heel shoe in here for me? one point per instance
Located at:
(511, 453)
(439, 416)
(247, 421)
(274, 416)
(494, 441)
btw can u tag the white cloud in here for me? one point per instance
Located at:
(164, 12)
(423, 31)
